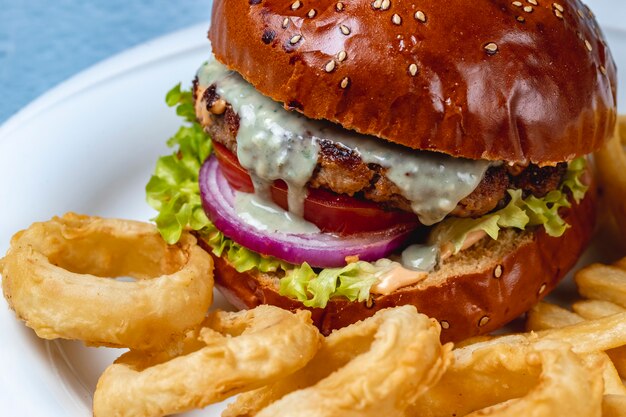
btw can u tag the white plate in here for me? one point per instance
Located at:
(89, 146)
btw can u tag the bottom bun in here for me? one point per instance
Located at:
(475, 292)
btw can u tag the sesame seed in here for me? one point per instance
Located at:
(520, 19)
(541, 289)
(517, 3)
(419, 15)
(385, 5)
(444, 324)
(344, 29)
(581, 14)
(311, 13)
(558, 7)
(296, 5)
(558, 14)
(330, 66)
(533, 2)
(219, 107)
(376, 4)
(339, 6)
(483, 321)
(413, 70)
(285, 22)
(396, 19)
(341, 56)
(497, 272)
(528, 9)
(345, 82)
(602, 69)
(588, 45)
(491, 48)
(295, 39)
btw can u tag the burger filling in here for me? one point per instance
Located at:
(292, 176)
(342, 170)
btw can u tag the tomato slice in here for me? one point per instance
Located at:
(331, 212)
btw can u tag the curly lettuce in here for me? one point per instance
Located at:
(353, 282)
(174, 193)
(173, 189)
(519, 213)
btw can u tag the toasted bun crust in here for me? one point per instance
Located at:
(476, 292)
(482, 80)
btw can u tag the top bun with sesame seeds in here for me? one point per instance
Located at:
(519, 81)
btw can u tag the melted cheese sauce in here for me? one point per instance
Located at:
(274, 143)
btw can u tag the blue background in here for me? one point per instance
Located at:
(44, 42)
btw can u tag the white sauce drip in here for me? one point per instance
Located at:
(420, 257)
(274, 143)
(267, 216)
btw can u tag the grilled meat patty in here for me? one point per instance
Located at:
(341, 170)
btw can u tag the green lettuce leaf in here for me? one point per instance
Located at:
(353, 282)
(519, 213)
(174, 192)
(173, 189)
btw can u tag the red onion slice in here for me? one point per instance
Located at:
(322, 250)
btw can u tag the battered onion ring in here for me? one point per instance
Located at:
(55, 277)
(375, 367)
(544, 378)
(232, 353)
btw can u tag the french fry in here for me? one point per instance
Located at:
(611, 165)
(606, 285)
(603, 282)
(596, 309)
(621, 128)
(591, 336)
(618, 356)
(614, 406)
(544, 316)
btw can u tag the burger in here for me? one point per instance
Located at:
(348, 156)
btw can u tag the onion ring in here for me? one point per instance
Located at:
(544, 378)
(55, 277)
(231, 353)
(374, 367)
